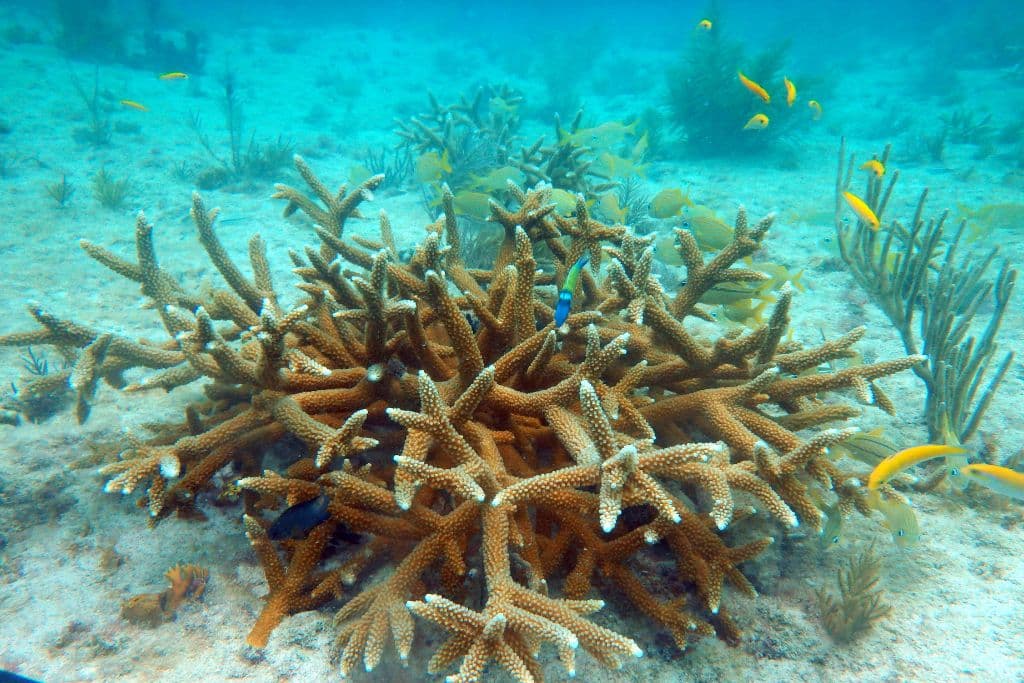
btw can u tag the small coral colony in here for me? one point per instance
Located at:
(494, 440)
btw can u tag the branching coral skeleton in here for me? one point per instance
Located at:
(503, 477)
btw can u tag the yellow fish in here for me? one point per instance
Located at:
(615, 166)
(710, 231)
(564, 201)
(1000, 479)
(640, 148)
(173, 76)
(862, 210)
(605, 136)
(666, 252)
(790, 91)
(729, 293)
(815, 107)
(832, 527)
(475, 204)
(908, 457)
(742, 311)
(875, 167)
(900, 520)
(870, 448)
(704, 24)
(755, 88)
(756, 122)
(132, 104)
(610, 207)
(431, 166)
(669, 202)
(497, 180)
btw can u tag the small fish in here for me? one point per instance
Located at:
(431, 166)
(755, 88)
(746, 310)
(779, 275)
(729, 293)
(756, 122)
(704, 24)
(862, 210)
(869, 448)
(11, 677)
(815, 108)
(875, 167)
(640, 148)
(614, 166)
(296, 522)
(1000, 479)
(908, 457)
(568, 287)
(497, 180)
(502, 107)
(612, 209)
(564, 201)
(832, 527)
(665, 250)
(358, 173)
(605, 136)
(474, 204)
(900, 520)
(173, 76)
(132, 104)
(710, 231)
(790, 91)
(669, 202)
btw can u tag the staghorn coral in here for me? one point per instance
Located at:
(534, 467)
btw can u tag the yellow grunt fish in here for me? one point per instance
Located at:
(756, 122)
(704, 24)
(815, 108)
(862, 210)
(132, 104)
(875, 167)
(790, 91)
(1000, 479)
(908, 457)
(431, 166)
(173, 76)
(669, 202)
(901, 521)
(755, 88)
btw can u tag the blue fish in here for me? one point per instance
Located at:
(568, 287)
(296, 522)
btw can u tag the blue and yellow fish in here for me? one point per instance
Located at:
(568, 287)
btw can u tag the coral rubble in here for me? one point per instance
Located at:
(502, 476)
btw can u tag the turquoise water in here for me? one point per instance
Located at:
(163, 371)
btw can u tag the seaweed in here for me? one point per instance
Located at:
(395, 165)
(857, 607)
(109, 191)
(41, 394)
(89, 30)
(61, 192)
(252, 161)
(98, 131)
(936, 297)
(710, 105)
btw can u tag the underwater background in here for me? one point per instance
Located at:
(665, 118)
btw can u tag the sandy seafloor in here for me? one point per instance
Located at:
(957, 597)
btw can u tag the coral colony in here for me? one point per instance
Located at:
(492, 474)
